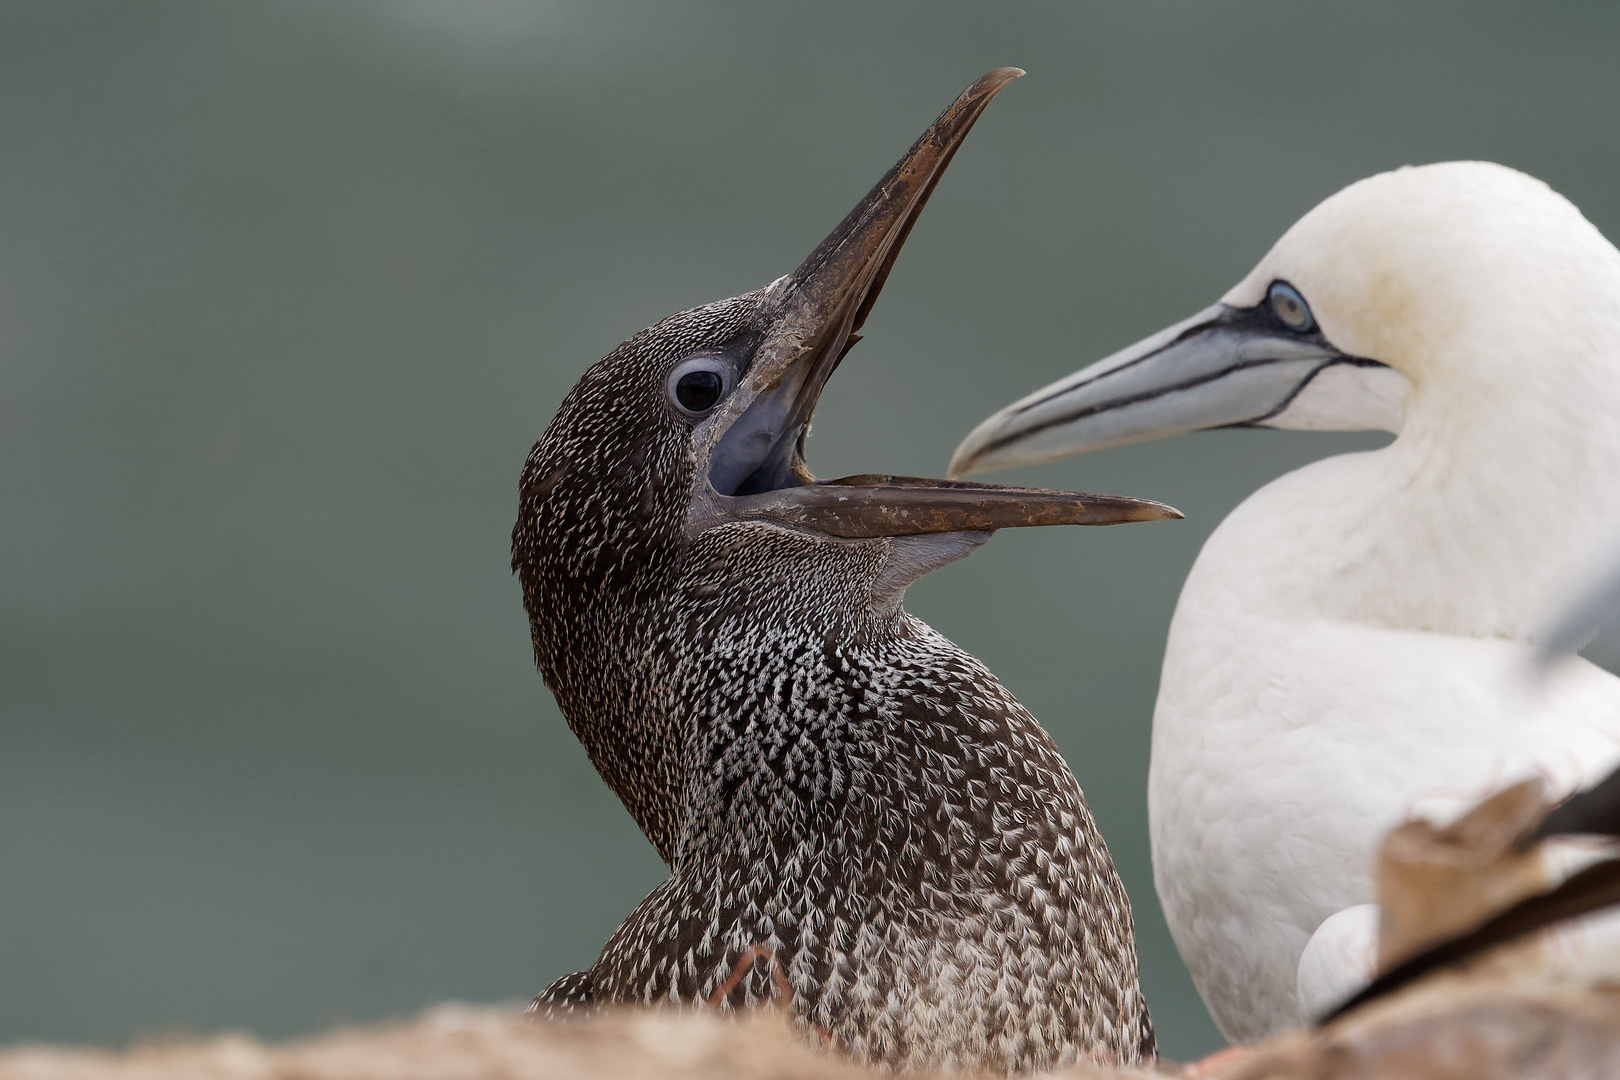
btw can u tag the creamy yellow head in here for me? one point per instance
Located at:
(1464, 287)
(1445, 271)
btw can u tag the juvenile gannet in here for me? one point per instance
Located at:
(1349, 646)
(860, 821)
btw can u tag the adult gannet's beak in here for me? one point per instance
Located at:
(1224, 367)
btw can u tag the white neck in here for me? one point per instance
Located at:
(1497, 498)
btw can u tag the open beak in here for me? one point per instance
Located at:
(756, 464)
(1224, 367)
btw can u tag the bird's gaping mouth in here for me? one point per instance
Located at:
(755, 442)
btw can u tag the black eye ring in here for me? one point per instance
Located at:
(1290, 307)
(698, 384)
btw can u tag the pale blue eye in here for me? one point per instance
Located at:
(1289, 306)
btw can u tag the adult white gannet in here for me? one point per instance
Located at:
(1350, 645)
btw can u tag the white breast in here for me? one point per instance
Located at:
(1289, 737)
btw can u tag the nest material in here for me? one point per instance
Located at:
(459, 1042)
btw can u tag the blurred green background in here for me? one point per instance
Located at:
(288, 289)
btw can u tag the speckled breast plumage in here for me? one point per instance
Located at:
(863, 825)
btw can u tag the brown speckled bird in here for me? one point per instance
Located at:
(861, 824)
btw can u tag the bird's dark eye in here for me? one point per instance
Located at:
(1289, 306)
(697, 391)
(697, 385)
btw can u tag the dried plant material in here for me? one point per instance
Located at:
(456, 1042)
(1453, 1027)
(1435, 882)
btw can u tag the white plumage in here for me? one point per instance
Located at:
(1352, 642)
